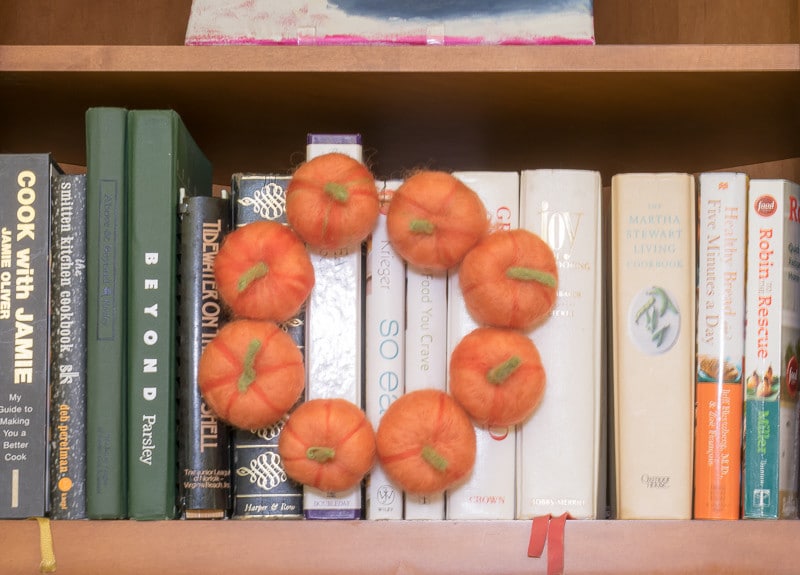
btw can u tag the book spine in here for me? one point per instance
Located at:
(722, 229)
(334, 336)
(204, 461)
(384, 336)
(68, 348)
(653, 338)
(426, 359)
(106, 318)
(489, 491)
(261, 488)
(25, 195)
(559, 448)
(772, 345)
(163, 158)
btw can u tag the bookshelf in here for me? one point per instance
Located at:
(671, 85)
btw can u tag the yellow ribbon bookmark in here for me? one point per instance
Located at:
(48, 563)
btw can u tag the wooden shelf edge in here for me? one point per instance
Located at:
(392, 547)
(397, 59)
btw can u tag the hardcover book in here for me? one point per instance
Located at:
(25, 196)
(560, 448)
(426, 359)
(106, 317)
(772, 346)
(722, 235)
(261, 488)
(653, 231)
(204, 446)
(408, 22)
(384, 336)
(334, 334)
(68, 348)
(489, 492)
(164, 162)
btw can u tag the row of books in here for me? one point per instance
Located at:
(105, 318)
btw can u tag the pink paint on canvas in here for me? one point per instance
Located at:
(360, 22)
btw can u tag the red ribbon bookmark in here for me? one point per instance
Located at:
(549, 529)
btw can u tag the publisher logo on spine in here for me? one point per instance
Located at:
(654, 320)
(765, 206)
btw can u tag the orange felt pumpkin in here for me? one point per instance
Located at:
(509, 279)
(496, 374)
(426, 442)
(332, 201)
(328, 444)
(263, 271)
(251, 373)
(434, 219)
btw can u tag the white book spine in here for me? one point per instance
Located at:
(334, 336)
(722, 232)
(489, 492)
(560, 458)
(426, 359)
(385, 350)
(653, 242)
(772, 344)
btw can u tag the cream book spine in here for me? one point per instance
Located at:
(653, 239)
(488, 493)
(334, 334)
(560, 448)
(385, 349)
(722, 231)
(772, 345)
(426, 359)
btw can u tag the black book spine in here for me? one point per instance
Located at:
(25, 181)
(204, 442)
(261, 488)
(68, 348)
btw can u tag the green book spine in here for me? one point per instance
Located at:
(164, 162)
(106, 258)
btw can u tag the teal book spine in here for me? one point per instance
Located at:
(165, 165)
(106, 283)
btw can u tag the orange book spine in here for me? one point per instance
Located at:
(722, 220)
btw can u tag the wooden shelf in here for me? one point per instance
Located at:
(609, 108)
(406, 547)
(403, 59)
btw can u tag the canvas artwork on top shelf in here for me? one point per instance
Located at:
(346, 22)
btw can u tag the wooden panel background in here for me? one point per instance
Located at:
(163, 22)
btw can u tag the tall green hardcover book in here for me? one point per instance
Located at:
(106, 282)
(165, 163)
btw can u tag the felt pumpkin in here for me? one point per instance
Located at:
(434, 219)
(509, 279)
(497, 376)
(263, 271)
(328, 444)
(332, 201)
(426, 442)
(251, 373)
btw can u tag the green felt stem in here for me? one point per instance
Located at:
(531, 274)
(421, 227)
(248, 367)
(259, 270)
(337, 191)
(320, 454)
(499, 373)
(434, 458)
